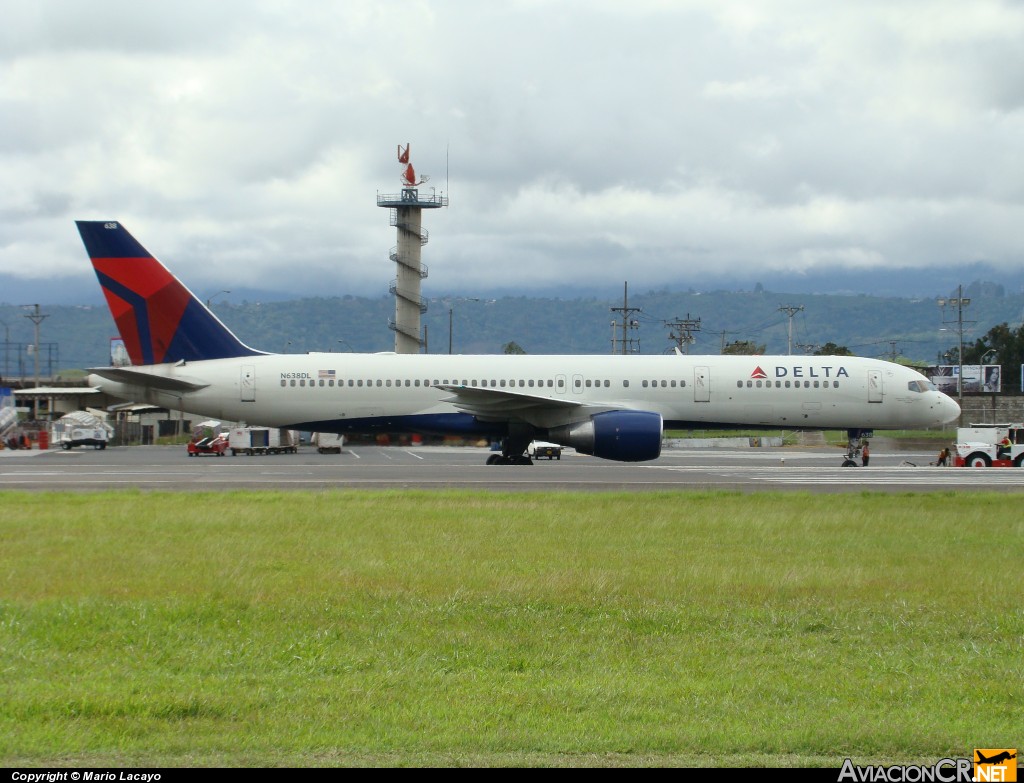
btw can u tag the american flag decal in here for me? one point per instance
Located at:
(324, 374)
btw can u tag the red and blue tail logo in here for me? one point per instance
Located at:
(159, 319)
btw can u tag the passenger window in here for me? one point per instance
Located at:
(561, 384)
(607, 384)
(644, 384)
(284, 382)
(625, 384)
(807, 384)
(302, 382)
(815, 384)
(682, 383)
(739, 384)
(759, 384)
(576, 383)
(664, 384)
(531, 384)
(750, 384)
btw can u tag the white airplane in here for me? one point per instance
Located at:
(610, 406)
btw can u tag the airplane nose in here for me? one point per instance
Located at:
(949, 410)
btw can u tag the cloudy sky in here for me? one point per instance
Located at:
(582, 144)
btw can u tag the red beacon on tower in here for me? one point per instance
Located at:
(408, 173)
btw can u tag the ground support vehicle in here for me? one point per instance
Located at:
(982, 446)
(328, 442)
(262, 440)
(80, 428)
(539, 449)
(208, 438)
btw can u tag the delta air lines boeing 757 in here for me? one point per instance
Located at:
(613, 407)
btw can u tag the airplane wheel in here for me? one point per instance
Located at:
(492, 459)
(849, 463)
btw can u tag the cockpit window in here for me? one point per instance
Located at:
(921, 386)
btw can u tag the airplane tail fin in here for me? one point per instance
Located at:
(159, 319)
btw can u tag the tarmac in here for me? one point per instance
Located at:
(806, 469)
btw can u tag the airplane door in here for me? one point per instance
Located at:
(577, 384)
(560, 384)
(247, 383)
(874, 386)
(702, 384)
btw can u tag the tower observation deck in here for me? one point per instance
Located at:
(407, 217)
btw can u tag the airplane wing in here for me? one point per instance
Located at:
(504, 404)
(149, 380)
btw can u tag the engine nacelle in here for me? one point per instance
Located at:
(626, 436)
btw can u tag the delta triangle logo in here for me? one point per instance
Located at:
(758, 373)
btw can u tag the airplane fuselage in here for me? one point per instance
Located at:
(337, 392)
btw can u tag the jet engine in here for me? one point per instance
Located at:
(626, 436)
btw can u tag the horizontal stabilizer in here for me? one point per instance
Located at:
(148, 380)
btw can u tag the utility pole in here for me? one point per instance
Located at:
(959, 302)
(683, 334)
(7, 346)
(36, 318)
(791, 310)
(628, 345)
(893, 352)
(723, 332)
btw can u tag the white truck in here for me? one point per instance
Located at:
(81, 428)
(984, 446)
(327, 442)
(262, 441)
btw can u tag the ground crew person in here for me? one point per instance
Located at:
(1004, 448)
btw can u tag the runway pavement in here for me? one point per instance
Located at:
(749, 470)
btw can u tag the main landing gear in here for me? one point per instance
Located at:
(513, 450)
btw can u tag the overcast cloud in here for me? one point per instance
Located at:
(664, 143)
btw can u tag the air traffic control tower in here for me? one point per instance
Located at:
(407, 217)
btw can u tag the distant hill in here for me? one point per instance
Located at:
(869, 325)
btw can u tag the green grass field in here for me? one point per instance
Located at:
(460, 628)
